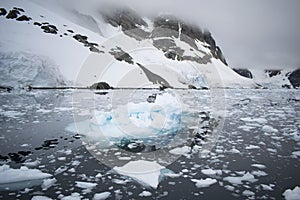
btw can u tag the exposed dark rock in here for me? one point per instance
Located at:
(151, 98)
(6, 88)
(129, 21)
(19, 9)
(100, 86)
(13, 14)
(166, 26)
(121, 55)
(48, 144)
(192, 87)
(37, 24)
(286, 86)
(84, 40)
(96, 50)
(3, 11)
(272, 72)
(4, 157)
(71, 31)
(216, 51)
(23, 18)
(294, 78)
(243, 72)
(16, 157)
(154, 78)
(49, 29)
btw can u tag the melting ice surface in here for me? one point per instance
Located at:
(135, 120)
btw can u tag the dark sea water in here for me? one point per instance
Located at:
(258, 127)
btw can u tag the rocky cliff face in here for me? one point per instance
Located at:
(166, 26)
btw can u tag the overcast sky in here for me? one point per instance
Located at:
(252, 33)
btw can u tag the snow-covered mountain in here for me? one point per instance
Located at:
(268, 78)
(114, 45)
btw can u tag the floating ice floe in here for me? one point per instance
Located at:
(180, 150)
(40, 198)
(47, 183)
(145, 172)
(211, 172)
(204, 182)
(237, 180)
(145, 194)
(101, 196)
(10, 175)
(137, 120)
(259, 166)
(292, 194)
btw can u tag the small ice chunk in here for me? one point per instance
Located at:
(204, 182)
(234, 150)
(259, 173)
(143, 171)
(208, 171)
(237, 180)
(259, 166)
(296, 153)
(248, 193)
(180, 150)
(40, 198)
(145, 194)
(47, 183)
(85, 185)
(250, 147)
(61, 169)
(101, 196)
(267, 187)
(229, 188)
(173, 175)
(73, 196)
(269, 129)
(292, 194)
(32, 164)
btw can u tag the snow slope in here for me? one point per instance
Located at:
(80, 35)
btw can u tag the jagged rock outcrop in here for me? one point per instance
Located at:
(294, 78)
(243, 72)
(165, 29)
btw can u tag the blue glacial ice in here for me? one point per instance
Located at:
(142, 120)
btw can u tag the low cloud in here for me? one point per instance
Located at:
(251, 34)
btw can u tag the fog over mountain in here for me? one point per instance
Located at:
(252, 34)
